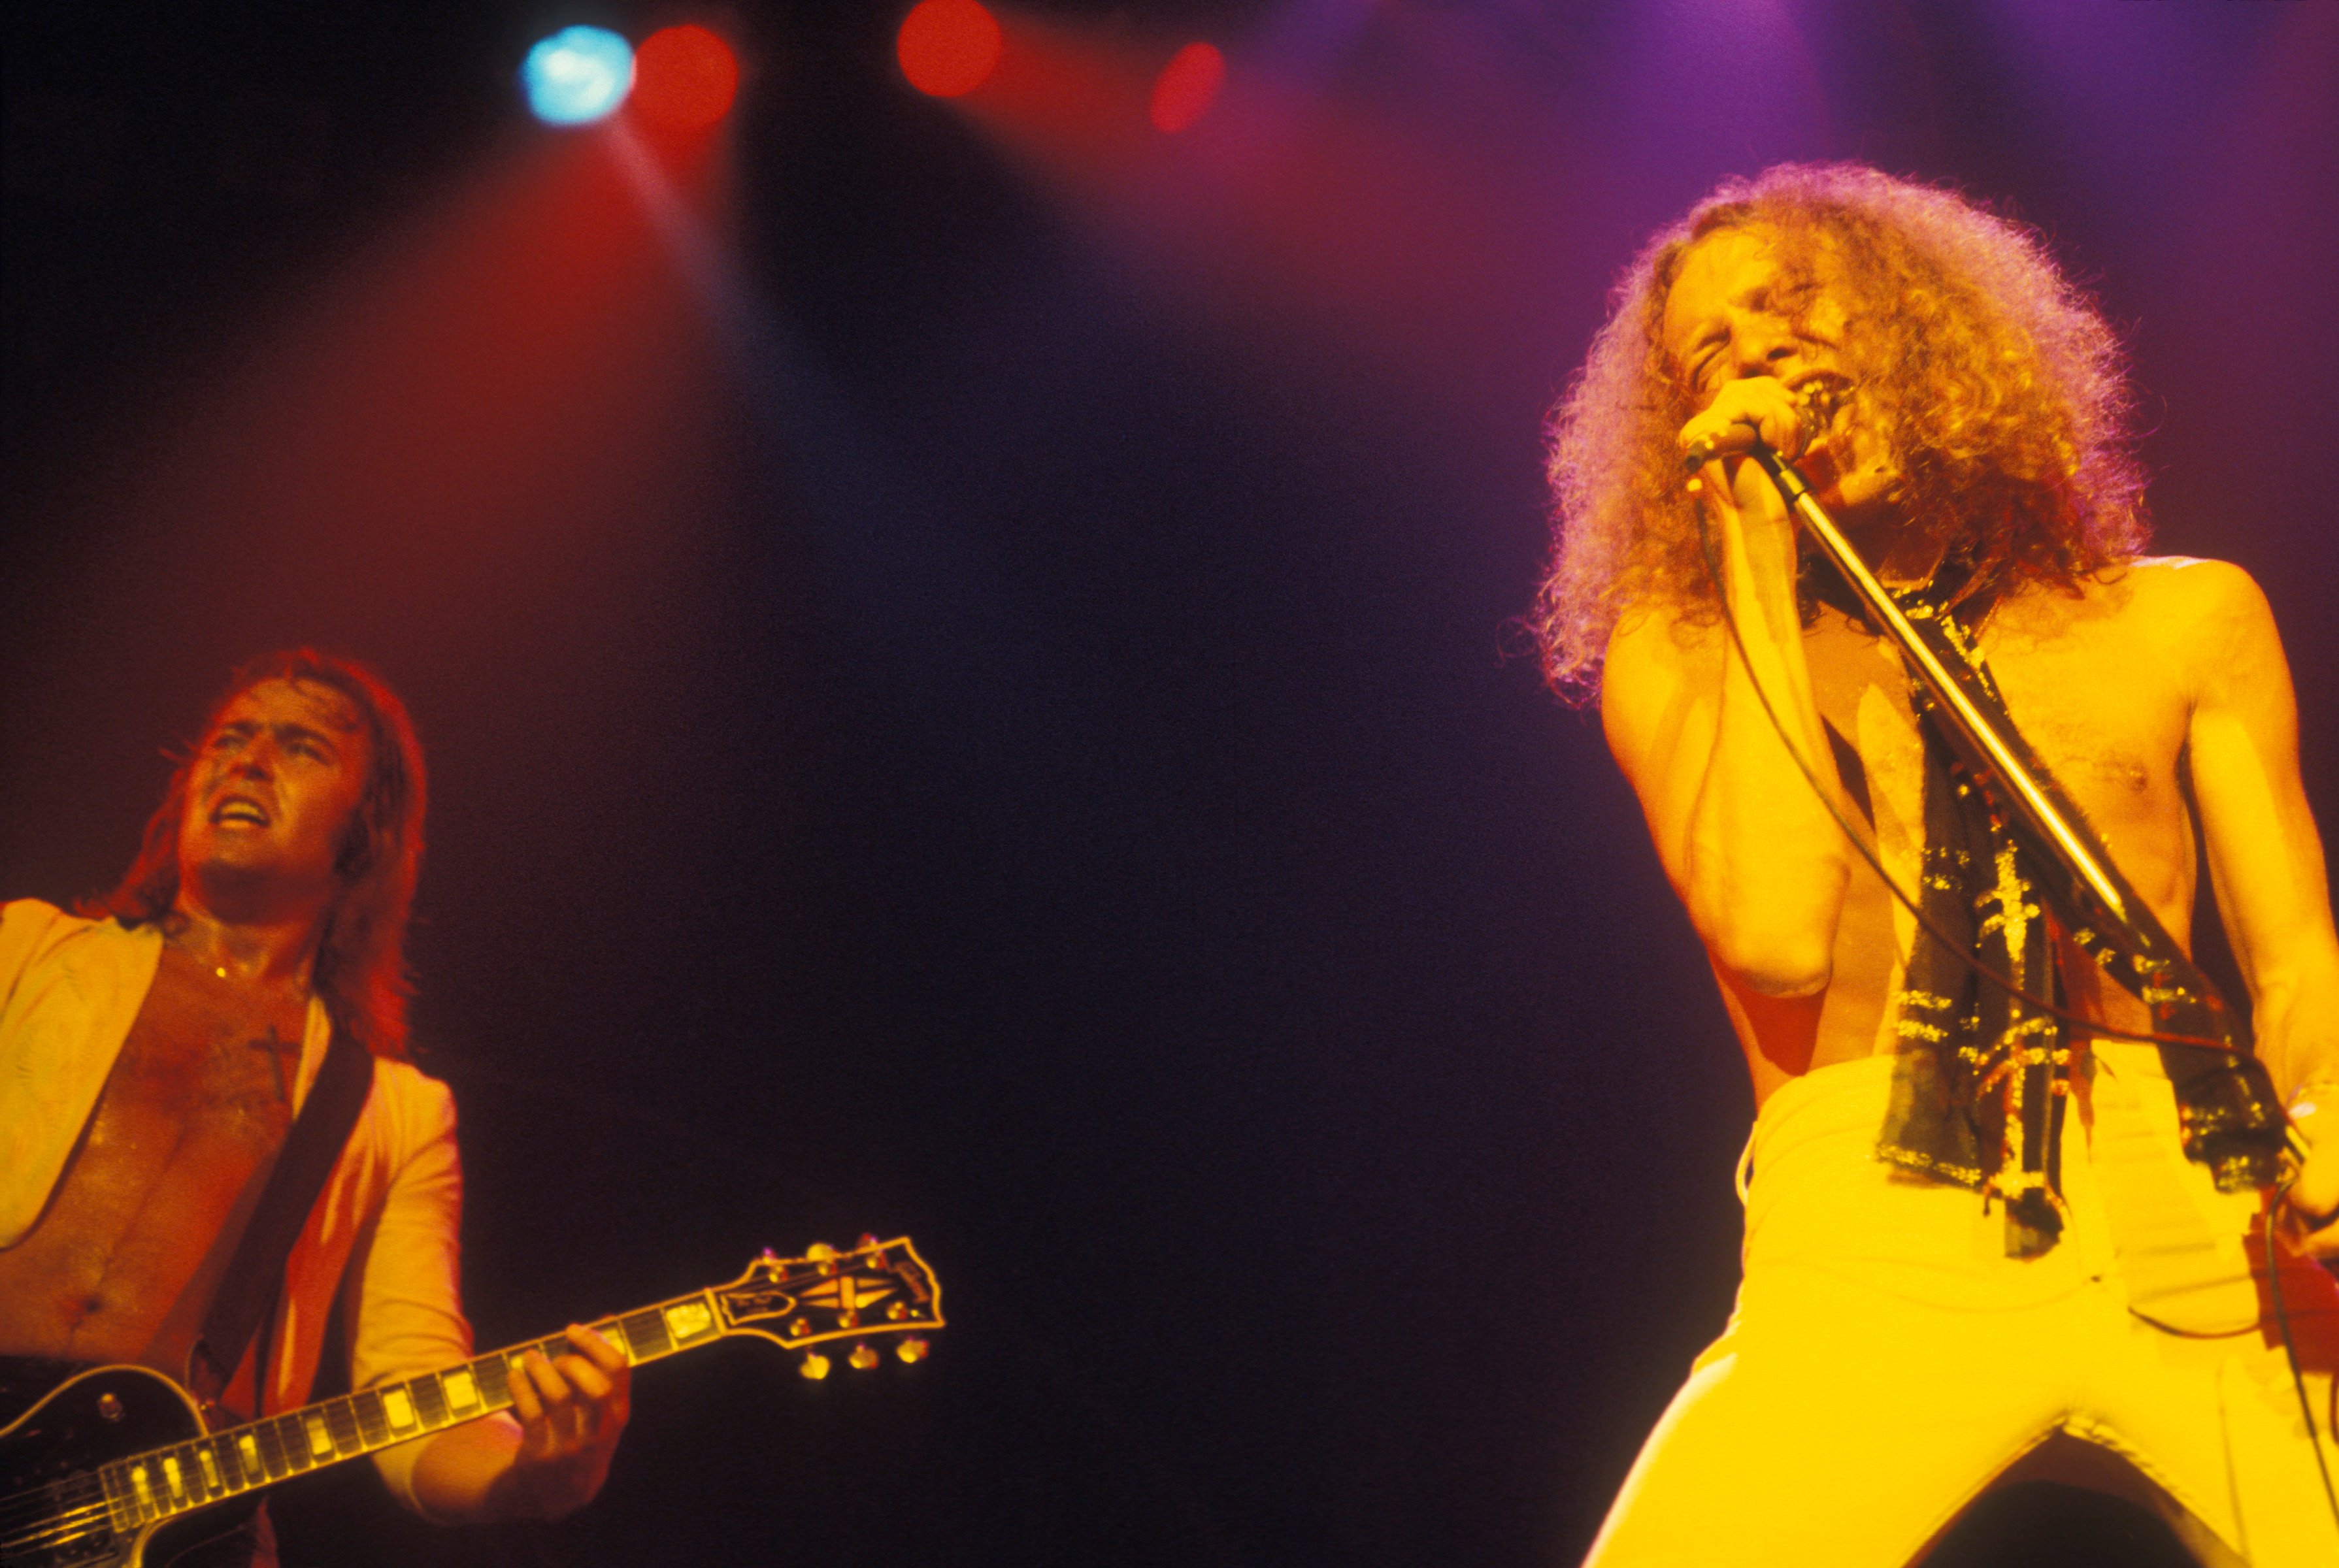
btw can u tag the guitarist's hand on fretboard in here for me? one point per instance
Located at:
(570, 1412)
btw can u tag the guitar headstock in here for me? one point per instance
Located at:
(877, 1287)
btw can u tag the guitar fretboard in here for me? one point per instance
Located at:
(165, 1482)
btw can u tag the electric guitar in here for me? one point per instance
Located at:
(112, 1467)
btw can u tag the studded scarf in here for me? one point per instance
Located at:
(1982, 1078)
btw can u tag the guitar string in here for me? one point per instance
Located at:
(70, 1521)
(54, 1533)
(61, 1532)
(28, 1504)
(90, 1484)
(62, 1523)
(42, 1500)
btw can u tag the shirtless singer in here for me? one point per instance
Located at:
(2001, 1221)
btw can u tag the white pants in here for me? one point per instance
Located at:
(1886, 1361)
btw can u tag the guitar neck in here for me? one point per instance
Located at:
(163, 1483)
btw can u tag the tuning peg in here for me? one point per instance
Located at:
(820, 1252)
(862, 1358)
(815, 1365)
(912, 1350)
(868, 1242)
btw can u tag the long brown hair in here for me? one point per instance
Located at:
(1994, 383)
(361, 968)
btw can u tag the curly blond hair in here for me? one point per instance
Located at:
(1992, 379)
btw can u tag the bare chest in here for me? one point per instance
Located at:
(2107, 719)
(125, 1259)
(2105, 713)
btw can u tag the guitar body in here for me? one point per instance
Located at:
(90, 1419)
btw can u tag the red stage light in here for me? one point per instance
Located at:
(1183, 93)
(685, 78)
(948, 47)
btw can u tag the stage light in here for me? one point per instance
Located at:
(684, 77)
(948, 47)
(578, 75)
(1183, 92)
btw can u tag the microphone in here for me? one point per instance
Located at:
(1815, 401)
(1740, 436)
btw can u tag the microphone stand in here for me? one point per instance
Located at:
(1995, 751)
(2170, 985)
(2113, 925)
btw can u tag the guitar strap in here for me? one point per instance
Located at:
(248, 1291)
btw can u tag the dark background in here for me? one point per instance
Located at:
(979, 706)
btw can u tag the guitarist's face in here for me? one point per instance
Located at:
(273, 788)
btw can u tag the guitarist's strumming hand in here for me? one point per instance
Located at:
(554, 1461)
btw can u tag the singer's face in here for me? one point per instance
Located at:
(1738, 308)
(1743, 305)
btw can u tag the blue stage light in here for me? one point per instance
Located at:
(578, 75)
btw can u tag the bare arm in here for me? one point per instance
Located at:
(2265, 858)
(405, 1316)
(1747, 843)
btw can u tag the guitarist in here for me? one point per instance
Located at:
(1983, 1241)
(154, 1051)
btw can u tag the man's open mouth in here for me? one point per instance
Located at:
(237, 809)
